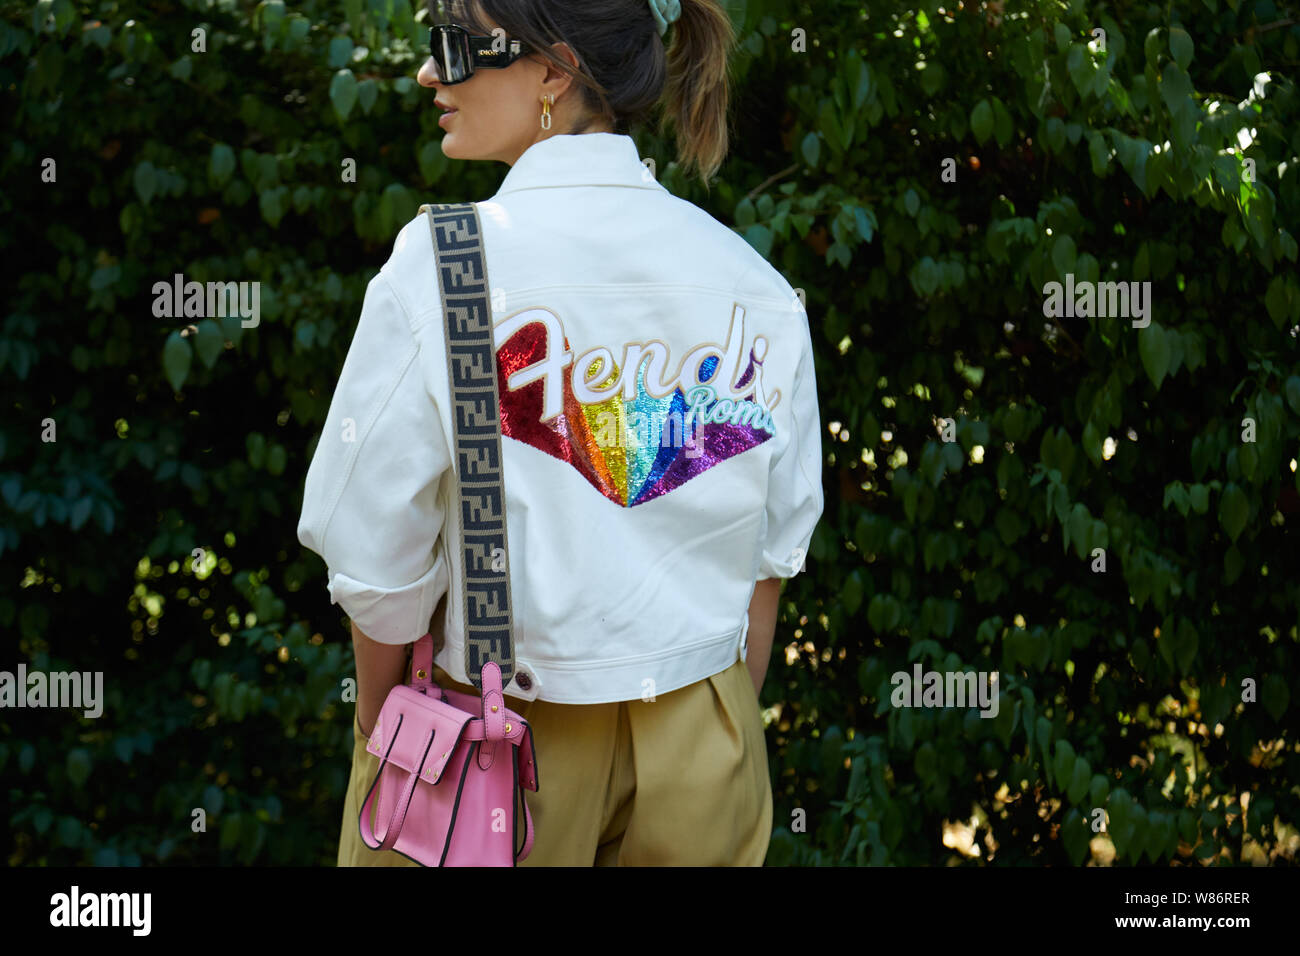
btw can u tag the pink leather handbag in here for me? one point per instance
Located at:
(454, 767)
(448, 786)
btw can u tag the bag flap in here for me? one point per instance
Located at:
(402, 732)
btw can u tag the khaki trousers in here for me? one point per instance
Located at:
(678, 781)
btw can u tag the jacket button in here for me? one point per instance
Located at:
(524, 681)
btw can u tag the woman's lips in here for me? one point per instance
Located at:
(445, 116)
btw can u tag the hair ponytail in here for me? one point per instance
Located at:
(698, 89)
(624, 69)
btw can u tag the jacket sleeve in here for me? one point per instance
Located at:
(794, 495)
(371, 507)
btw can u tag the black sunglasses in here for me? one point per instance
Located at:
(458, 53)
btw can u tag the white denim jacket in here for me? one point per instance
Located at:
(661, 435)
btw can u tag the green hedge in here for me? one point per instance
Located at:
(921, 175)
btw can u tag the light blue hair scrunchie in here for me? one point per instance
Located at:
(665, 12)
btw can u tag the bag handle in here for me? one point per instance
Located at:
(475, 414)
(387, 837)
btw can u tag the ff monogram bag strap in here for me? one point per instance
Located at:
(475, 414)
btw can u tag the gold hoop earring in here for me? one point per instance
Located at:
(546, 110)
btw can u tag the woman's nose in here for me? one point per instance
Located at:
(428, 75)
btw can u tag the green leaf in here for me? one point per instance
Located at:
(1055, 134)
(1099, 790)
(852, 591)
(745, 214)
(926, 762)
(1199, 497)
(1233, 564)
(333, 287)
(42, 817)
(1076, 836)
(1092, 443)
(367, 92)
(1155, 352)
(932, 78)
(1180, 45)
(1293, 393)
(299, 26)
(1003, 125)
(340, 52)
(209, 342)
(1276, 300)
(69, 832)
(1248, 460)
(883, 613)
(1142, 262)
(145, 181)
(1273, 694)
(864, 223)
(1043, 734)
(1176, 493)
(302, 199)
(80, 512)
(213, 800)
(1151, 46)
(981, 121)
(1185, 644)
(221, 163)
(1234, 508)
(276, 459)
(1078, 528)
(1080, 780)
(176, 359)
(1064, 255)
(273, 204)
(760, 237)
(1098, 152)
(78, 765)
(812, 148)
(832, 751)
(432, 161)
(255, 444)
(232, 327)
(343, 93)
(1078, 63)
(927, 276)
(1175, 88)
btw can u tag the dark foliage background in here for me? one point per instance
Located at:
(151, 475)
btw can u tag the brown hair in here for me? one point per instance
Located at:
(624, 68)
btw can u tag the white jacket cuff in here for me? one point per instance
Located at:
(391, 615)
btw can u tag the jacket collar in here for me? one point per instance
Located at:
(579, 159)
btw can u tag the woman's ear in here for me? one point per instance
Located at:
(556, 80)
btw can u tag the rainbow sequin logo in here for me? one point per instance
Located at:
(631, 432)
